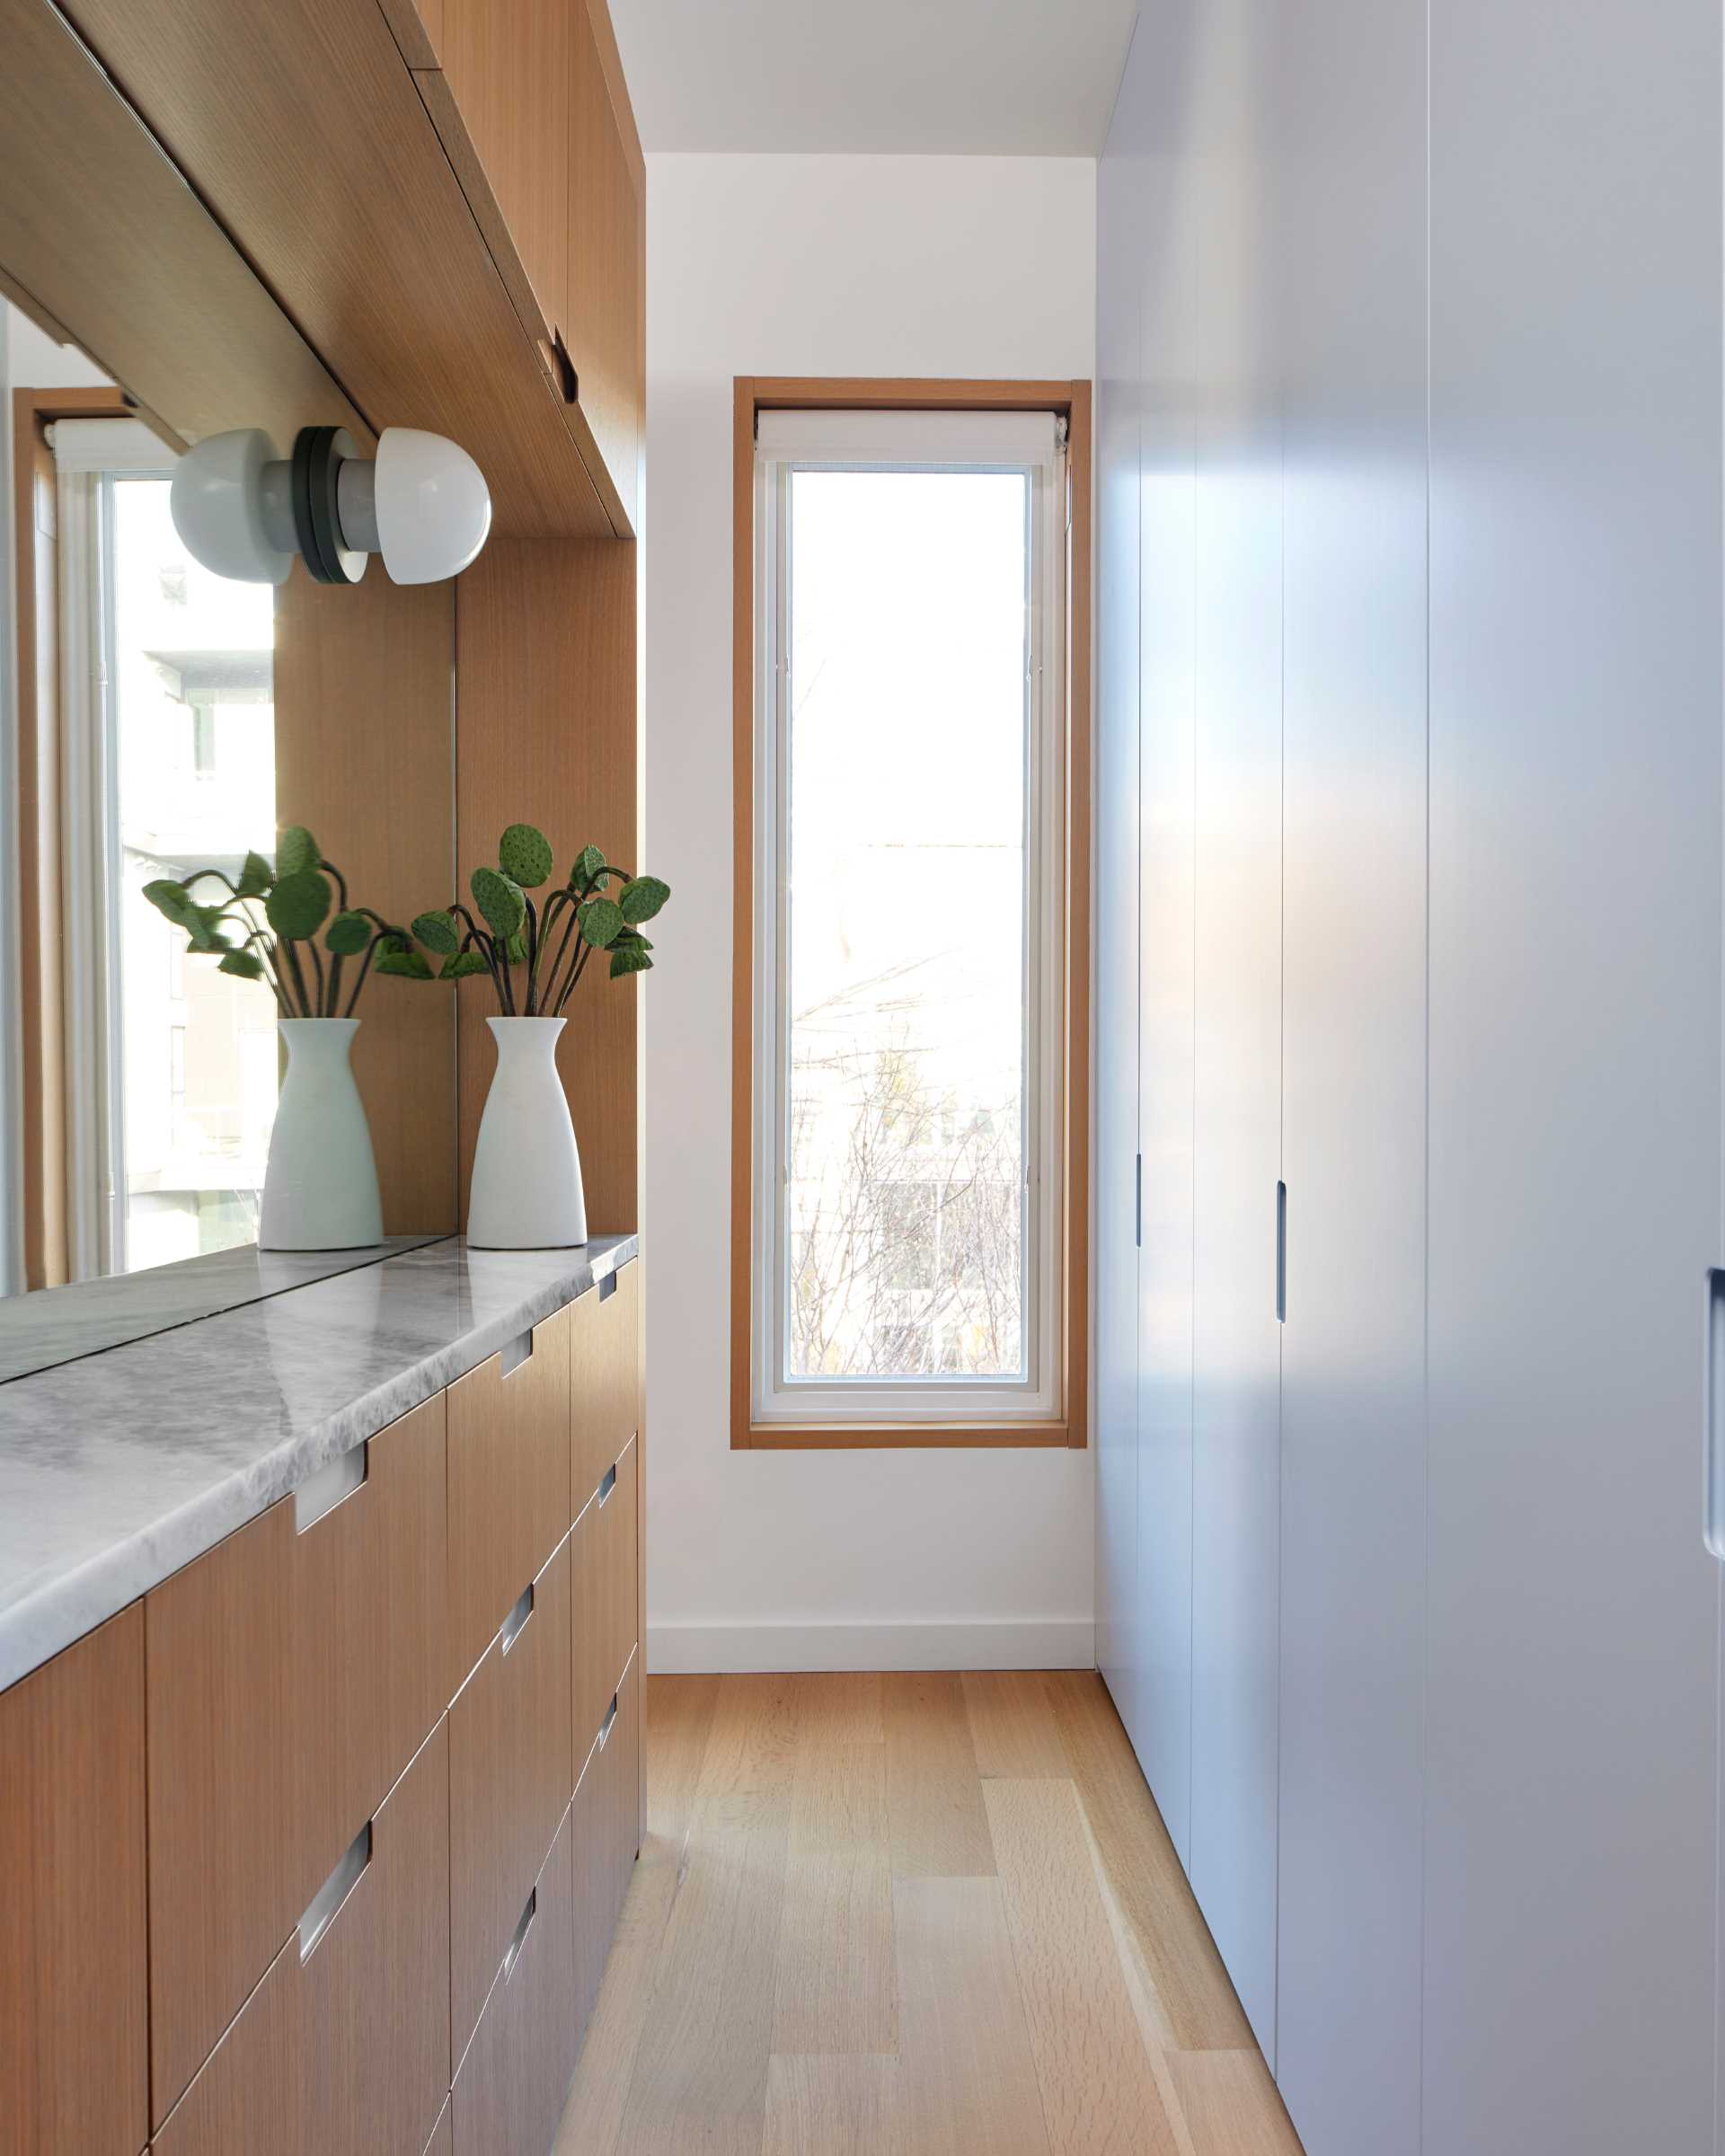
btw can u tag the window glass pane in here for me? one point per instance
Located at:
(906, 923)
(195, 770)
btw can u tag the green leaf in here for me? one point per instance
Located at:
(437, 931)
(255, 877)
(515, 950)
(499, 897)
(172, 900)
(296, 851)
(642, 899)
(410, 965)
(631, 938)
(298, 905)
(588, 861)
(246, 964)
(601, 922)
(461, 964)
(525, 855)
(347, 935)
(628, 961)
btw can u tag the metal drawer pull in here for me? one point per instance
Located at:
(604, 1726)
(1281, 1253)
(1712, 1525)
(520, 1939)
(320, 1493)
(607, 1286)
(513, 1353)
(516, 1622)
(321, 1910)
(609, 1483)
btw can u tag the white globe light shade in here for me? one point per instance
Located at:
(432, 505)
(217, 503)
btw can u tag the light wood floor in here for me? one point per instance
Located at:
(910, 1915)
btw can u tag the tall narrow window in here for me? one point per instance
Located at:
(910, 876)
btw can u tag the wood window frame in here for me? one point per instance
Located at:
(1071, 401)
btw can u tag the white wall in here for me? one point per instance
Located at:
(808, 265)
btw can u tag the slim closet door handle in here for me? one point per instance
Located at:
(1281, 1253)
(1712, 1526)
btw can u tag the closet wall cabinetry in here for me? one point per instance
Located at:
(1411, 349)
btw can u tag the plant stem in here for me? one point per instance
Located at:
(365, 968)
(335, 982)
(557, 960)
(297, 977)
(317, 969)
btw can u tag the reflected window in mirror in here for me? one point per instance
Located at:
(168, 722)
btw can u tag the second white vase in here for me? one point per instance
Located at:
(526, 1190)
(319, 1188)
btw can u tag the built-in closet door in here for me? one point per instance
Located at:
(1575, 1076)
(1119, 294)
(1171, 242)
(1237, 928)
(1350, 87)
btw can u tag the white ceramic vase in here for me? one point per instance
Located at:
(526, 1190)
(319, 1188)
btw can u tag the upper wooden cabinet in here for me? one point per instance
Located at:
(529, 100)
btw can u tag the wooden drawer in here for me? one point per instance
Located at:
(606, 1815)
(292, 1673)
(230, 1861)
(606, 1376)
(73, 2043)
(511, 1767)
(510, 2090)
(604, 1546)
(372, 1662)
(509, 1485)
(344, 2047)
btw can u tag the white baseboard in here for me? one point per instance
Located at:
(736, 1649)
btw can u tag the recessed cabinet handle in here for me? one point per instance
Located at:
(520, 1939)
(516, 1622)
(325, 1904)
(1712, 1526)
(319, 1495)
(607, 1286)
(513, 1353)
(1281, 1253)
(605, 1726)
(609, 1483)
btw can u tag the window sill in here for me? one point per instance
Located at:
(862, 1438)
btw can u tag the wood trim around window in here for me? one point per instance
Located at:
(1071, 400)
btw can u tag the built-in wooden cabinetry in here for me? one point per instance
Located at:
(322, 1845)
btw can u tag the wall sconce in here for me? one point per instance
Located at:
(244, 513)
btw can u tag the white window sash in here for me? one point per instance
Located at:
(1029, 442)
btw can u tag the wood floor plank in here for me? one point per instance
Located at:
(970, 2081)
(933, 1791)
(751, 1754)
(1143, 1871)
(1013, 1728)
(836, 1987)
(844, 1706)
(1231, 2104)
(835, 2106)
(1100, 2091)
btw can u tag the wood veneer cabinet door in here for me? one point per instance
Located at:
(343, 2049)
(606, 1837)
(605, 1357)
(372, 1662)
(72, 1908)
(507, 63)
(511, 1768)
(230, 1863)
(443, 2140)
(510, 1487)
(509, 2092)
(603, 1551)
(603, 330)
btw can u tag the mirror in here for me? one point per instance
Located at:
(168, 721)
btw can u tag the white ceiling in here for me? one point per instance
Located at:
(1005, 77)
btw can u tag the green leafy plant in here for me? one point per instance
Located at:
(265, 927)
(536, 950)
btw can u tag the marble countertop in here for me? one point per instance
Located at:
(118, 1468)
(62, 1324)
